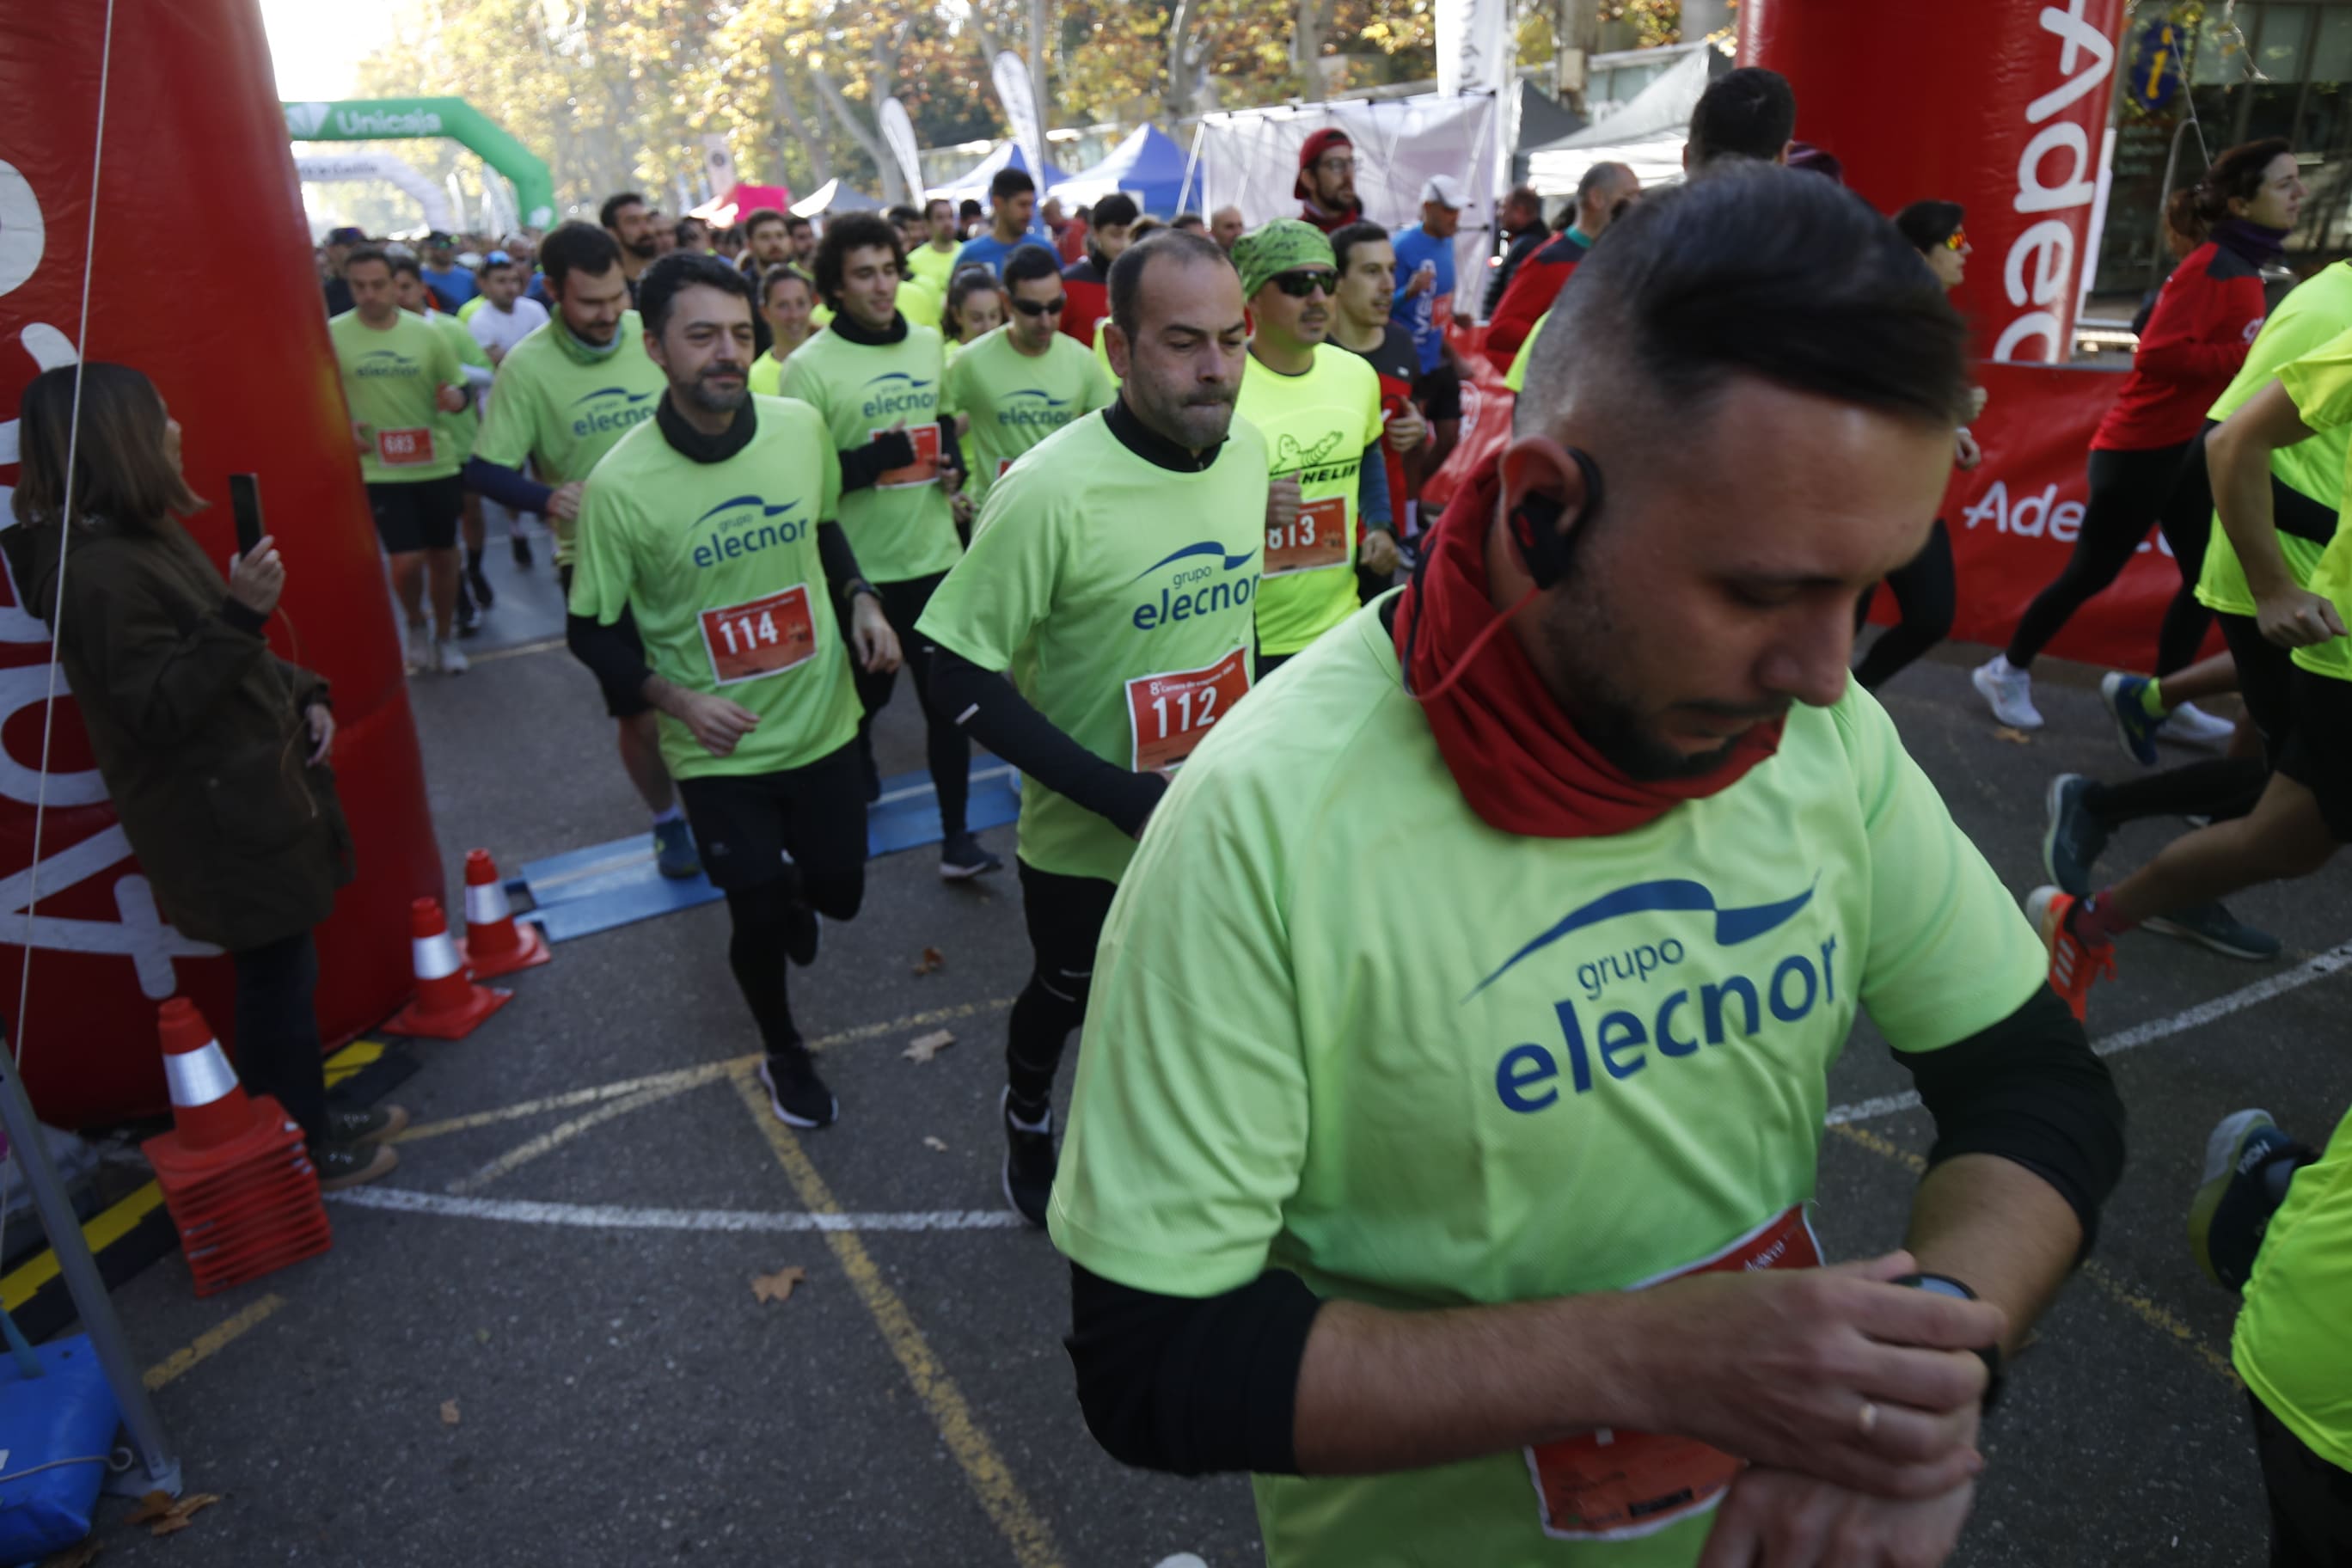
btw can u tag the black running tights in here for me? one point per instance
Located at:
(764, 917)
(2128, 491)
(1926, 592)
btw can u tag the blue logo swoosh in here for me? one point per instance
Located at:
(1048, 401)
(897, 375)
(1206, 547)
(1732, 926)
(620, 392)
(765, 510)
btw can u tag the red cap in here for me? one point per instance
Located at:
(424, 919)
(480, 869)
(1322, 141)
(183, 1028)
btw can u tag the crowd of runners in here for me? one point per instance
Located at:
(1464, 905)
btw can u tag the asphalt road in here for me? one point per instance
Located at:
(621, 1396)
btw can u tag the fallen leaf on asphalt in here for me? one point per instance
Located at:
(2014, 737)
(153, 1505)
(932, 959)
(449, 1412)
(935, 1144)
(778, 1287)
(163, 1516)
(926, 1047)
(74, 1556)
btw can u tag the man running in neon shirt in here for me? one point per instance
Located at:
(1024, 381)
(563, 398)
(877, 379)
(1111, 575)
(1319, 410)
(1460, 1035)
(933, 261)
(1361, 324)
(456, 432)
(710, 528)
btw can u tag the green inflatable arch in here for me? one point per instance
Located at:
(385, 118)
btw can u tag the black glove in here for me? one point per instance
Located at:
(1137, 801)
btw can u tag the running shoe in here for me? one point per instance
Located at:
(962, 857)
(2189, 725)
(2075, 965)
(376, 1124)
(2009, 691)
(342, 1165)
(447, 659)
(2074, 838)
(2136, 727)
(470, 615)
(673, 850)
(521, 550)
(2234, 1204)
(2211, 925)
(806, 935)
(1029, 1162)
(481, 584)
(416, 653)
(796, 1094)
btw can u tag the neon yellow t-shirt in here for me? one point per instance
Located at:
(1341, 1027)
(920, 303)
(463, 427)
(1316, 426)
(766, 376)
(718, 561)
(465, 312)
(2319, 310)
(933, 269)
(1100, 579)
(2320, 382)
(2293, 1341)
(560, 409)
(392, 379)
(1516, 378)
(1015, 400)
(902, 528)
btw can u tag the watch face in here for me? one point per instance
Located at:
(1936, 1286)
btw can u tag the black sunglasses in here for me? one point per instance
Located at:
(1302, 283)
(1042, 307)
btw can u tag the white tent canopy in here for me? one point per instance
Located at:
(1646, 135)
(344, 167)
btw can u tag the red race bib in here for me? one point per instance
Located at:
(761, 636)
(1170, 714)
(1616, 1486)
(1002, 464)
(1317, 539)
(923, 470)
(403, 448)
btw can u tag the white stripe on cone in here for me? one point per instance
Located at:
(199, 1078)
(485, 904)
(436, 956)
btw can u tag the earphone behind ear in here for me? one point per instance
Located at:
(1535, 525)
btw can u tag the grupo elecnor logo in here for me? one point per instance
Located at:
(2038, 274)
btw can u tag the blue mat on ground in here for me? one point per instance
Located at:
(617, 884)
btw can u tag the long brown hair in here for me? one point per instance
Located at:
(2236, 176)
(121, 472)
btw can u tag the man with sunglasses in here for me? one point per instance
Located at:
(1025, 380)
(1319, 408)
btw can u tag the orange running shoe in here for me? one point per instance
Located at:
(2075, 965)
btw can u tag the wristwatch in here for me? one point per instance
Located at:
(1945, 1285)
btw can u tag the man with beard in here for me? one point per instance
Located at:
(802, 235)
(740, 612)
(630, 223)
(1112, 574)
(564, 397)
(1319, 408)
(1522, 222)
(933, 259)
(1460, 1040)
(767, 244)
(1327, 181)
(1088, 279)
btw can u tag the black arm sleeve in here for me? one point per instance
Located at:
(2030, 1091)
(607, 651)
(950, 449)
(840, 562)
(985, 703)
(861, 466)
(510, 488)
(1167, 1383)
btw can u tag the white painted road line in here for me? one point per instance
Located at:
(616, 1216)
(2334, 961)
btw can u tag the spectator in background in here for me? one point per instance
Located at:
(194, 721)
(1537, 283)
(1423, 306)
(970, 220)
(1225, 226)
(1050, 213)
(1749, 112)
(1087, 281)
(933, 260)
(802, 235)
(340, 242)
(1070, 241)
(1189, 222)
(1013, 204)
(625, 217)
(664, 232)
(693, 235)
(451, 284)
(1524, 233)
(1325, 183)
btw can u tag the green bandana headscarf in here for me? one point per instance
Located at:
(1278, 246)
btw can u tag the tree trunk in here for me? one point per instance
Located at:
(1183, 61)
(788, 112)
(1307, 27)
(868, 140)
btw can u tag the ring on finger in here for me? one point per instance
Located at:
(1869, 1418)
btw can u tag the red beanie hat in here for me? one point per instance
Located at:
(1322, 141)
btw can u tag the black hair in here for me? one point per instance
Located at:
(1346, 236)
(778, 274)
(1177, 245)
(610, 213)
(1191, 223)
(970, 208)
(793, 224)
(1029, 261)
(1009, 182)
(1928, 224)
(2237, 172)
(902, 214)
(360, 255)
(968, 281)
(760, 218)
(1118, 207)
(659, 285)
(575, 247)
(406, 262)
(1724, 278)
(1750, 112)
(853, 231)
(937, 202)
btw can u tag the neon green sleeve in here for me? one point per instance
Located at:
(602, 571)
(1102, 391)
(511, 422)
(1005, 584)
(2321, 383)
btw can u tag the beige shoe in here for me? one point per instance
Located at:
(344, 1165)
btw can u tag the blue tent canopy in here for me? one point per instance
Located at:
(975, 184)
(1146, 163)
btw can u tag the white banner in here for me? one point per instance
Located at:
(1476, 49)
(1011, 74)
(898, 132)
(342, 167)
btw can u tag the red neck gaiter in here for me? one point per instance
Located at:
(1513, 752)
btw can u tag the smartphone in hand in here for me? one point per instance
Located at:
(245, 500)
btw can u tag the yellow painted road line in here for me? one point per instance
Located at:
(556, 1137)
(353, 1057)
(210, 1343)
(689, 1077)
(110, 1227)
(1023, 1529)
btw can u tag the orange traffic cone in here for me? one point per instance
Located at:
(496, 943)
(209, 1107)
(448, 1006)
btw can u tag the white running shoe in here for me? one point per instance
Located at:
(447, 659)
(2009, 691)
(2189, 725)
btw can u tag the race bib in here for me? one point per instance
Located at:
(1317, 539)
(403, 448)
(1170, 714)
(1616, 1486)
(1002, 464)
(760, 637)
(923, 470)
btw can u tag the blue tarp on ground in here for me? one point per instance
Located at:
(1146, 163)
